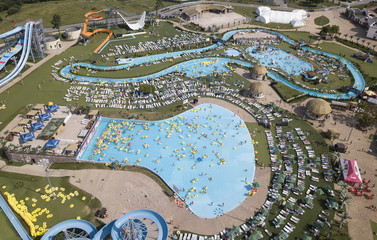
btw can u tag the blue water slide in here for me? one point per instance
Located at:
(70, 224)
(24, 56)
(11, 53)
(104, 231)
(11, 32)
(13, 220)
(141, 213)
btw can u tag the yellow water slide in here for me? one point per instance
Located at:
(86, 34)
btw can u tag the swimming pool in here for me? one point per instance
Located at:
(277, 58)
(232, 52)
(204, 154)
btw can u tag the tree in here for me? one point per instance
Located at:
(330, 225)
(14, 9)
(344, 198)
(147, 88)
(345, 36)
(351, 38)
(1, 19)
(368, 43)
(357, 40)
(344, 216)
(159, 4)
(363, 41)
(366, 115)
(56, 22)
(315, 2)
(374, 45)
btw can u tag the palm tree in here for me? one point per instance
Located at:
(330, 225)
(363, 41)
(345, 36)
(374, 45)
(344, 216)
(351, 37)
(368, 43)
(344, 198)
(342, 185)
(357, 40)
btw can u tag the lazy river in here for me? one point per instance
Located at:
(206, 66)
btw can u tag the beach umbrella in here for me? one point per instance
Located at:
(236, 229)
(298, 208)
(265, 212)
(256, 185)
(279, 221)
(319, 224)
(290, 185)
(231, 234)
(301, 187)
(332, 172)
(278, 197)
(307, 237)
(281, 178)
(289, 205)
(319, 191)
(256, 235)
(278, 186)
(282, 235)
(308, 199)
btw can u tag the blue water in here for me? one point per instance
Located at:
(277, 58)
(199, 67)
(232, 53)
(207, 148)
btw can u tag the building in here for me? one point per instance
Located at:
(52, 42)
(295, 18)
(363, 18)
(317, 108)
(195, 12)
(72, 33)
(257, 89)
(258, 72)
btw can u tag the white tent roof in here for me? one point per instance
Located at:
(295, 18)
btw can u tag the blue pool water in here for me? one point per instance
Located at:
(232, 53)
(206, 153)
(277, 58)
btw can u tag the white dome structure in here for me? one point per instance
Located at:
(295, 18)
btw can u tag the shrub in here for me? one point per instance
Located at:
(13, 10)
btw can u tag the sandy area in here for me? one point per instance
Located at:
(210, 19)
(234, 108)
(121, 191)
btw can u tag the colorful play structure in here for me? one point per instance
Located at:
(300, 45)
(260, 49)
(366, 57)
(111, 21)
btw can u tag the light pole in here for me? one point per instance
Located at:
(46, 163)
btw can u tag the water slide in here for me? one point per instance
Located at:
(24, 56)
(11, 53)
(13, 219)
(11, 32)
(87, 34)
(135, 26)
(82, 229)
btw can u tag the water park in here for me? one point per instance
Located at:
(138, 100)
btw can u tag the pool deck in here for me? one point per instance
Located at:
(135, 190)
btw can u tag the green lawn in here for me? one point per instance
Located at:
(373, 225)
(7, 230)
(303, 4)
(25, 187)
(73, 11)
(321, 21)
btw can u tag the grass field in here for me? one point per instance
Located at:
(7, 230)
(73, 11)
(321, 21)
(373, 225)
(25, 187)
